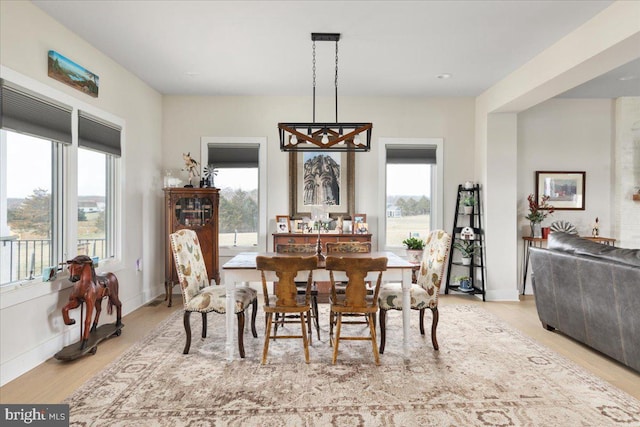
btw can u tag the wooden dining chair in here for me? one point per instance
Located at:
(354, 300)
(306, 249)
(285, 299)
(197, 293)
(424, 294)
(336, 248)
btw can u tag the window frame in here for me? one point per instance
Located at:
(65, 177)
(229, 251)
(437, 179)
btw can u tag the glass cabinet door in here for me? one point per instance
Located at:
(193, 211)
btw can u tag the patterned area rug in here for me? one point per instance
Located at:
(485, 374)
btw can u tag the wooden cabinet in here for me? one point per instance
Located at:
(195, 209)
(297, 238)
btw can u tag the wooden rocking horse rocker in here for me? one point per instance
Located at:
(90, 289)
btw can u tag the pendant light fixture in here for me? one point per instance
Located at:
(325, 136)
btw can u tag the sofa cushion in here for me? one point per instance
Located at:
(576, 245)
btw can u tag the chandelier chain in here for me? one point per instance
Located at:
(314, 81)
(336, 81)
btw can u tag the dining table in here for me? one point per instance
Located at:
(241, 269)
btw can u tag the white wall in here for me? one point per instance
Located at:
(568, 135)
(32, 331)
(188, 118)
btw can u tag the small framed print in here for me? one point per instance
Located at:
(357, 220)
(282, 224)
(361, 228)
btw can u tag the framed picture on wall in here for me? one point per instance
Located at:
(282, 224)
(321, 178)
(566, 190)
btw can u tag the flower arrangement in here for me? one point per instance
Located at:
(537, 210)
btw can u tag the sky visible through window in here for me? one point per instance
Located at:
(29, 167)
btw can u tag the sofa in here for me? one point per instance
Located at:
(590, 292)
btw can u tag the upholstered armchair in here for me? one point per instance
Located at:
(424, 294)
(197, 293)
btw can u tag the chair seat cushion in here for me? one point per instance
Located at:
(390, 297)
(213, 298)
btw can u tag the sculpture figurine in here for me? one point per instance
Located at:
(595, 231)
(340, 225)
(191, 166)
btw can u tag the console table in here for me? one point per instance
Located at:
(529, 241)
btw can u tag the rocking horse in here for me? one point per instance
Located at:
(91, 289)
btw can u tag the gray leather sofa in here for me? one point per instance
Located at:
(590, 292)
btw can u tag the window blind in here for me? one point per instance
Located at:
(403, 154)
(98, 134)
(233, 155)
(26, 112)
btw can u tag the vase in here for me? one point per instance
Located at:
(536, 229)
(414, 256)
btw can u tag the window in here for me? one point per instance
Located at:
(30, 234)
(35, 143)
(237, 164)
(98, 153)
(412, 197)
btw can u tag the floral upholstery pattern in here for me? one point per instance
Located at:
(198, 295)
(424, 294)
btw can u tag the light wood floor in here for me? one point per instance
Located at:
(53, 381)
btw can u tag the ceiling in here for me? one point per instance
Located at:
(387, 48)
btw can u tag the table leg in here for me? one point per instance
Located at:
(406, 310)
(525, 264)
(230, 285)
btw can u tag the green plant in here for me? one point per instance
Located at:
(469, 201)
(413, 243)
(466, 247)
(459, 279)
(536, 209)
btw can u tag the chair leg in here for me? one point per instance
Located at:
(241, 333)
(267, 335)
(309, 328)
(422, 321)
(204, 325)
(314, 307)
(383, 332)
(187, 330)
(434, 325)
(254, 313)
(332, 316)
(305, 341)
(336, 342)
(372, 328)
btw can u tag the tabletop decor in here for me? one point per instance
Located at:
(537, 213)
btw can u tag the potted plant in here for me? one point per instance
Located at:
(537, 213)
(464, 283)
(415, 247)
(467, 248)
(468, 202)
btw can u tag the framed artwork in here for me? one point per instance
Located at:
(321, 178)
(282, 224)
(357, 218)
(68, 72)
(566, 190)
(361, 228)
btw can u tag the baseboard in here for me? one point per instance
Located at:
(12, 369)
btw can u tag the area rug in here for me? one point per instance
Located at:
(485, 374)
